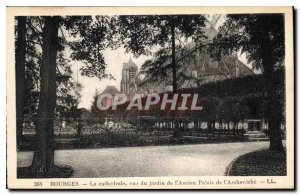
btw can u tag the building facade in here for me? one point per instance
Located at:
(199, 66)
(129, 79)
(202, 69)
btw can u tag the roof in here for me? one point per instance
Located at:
(111, 90)
(206, 66)
(244, 70)
(212, 71)
(129, 64)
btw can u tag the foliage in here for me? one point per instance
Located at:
(85, 37)
(96, 113)
(245, 32)
(163, 33)
(90, 36)
(260, 163)
(262, 38)
(68, 90)
(230, 100)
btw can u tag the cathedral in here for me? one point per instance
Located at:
(199, 66)
(129, 80)
(203, 69)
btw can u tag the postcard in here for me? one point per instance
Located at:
(150, 98)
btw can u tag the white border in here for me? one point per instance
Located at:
(5, 3)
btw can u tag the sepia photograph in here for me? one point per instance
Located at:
(150, 98)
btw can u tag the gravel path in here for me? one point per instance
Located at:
(182, 160)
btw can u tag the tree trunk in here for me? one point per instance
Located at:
(174, 68)
(79, 127)
(176, 132)
(273, 114)
(43, 159)
(20, 74)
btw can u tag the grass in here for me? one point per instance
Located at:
(123, 139)
(59, 171)
(259, 163)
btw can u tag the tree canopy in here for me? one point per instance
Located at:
(262, 38)
(247, 33)
(163, 33)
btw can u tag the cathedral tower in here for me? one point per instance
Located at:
(129, 76)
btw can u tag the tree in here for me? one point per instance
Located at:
(96, 113)
(261, 37)
(20, 73)
(43, 159)
(94, 108)
(89, 39)
(140, 34)
(28, 61)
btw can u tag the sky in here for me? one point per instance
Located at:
(114, 60)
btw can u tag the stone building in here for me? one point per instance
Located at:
(129, 78)
(200, 66)
(112, 90)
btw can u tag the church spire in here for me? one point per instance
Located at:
(130, 59)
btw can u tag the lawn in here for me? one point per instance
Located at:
(259, 163)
